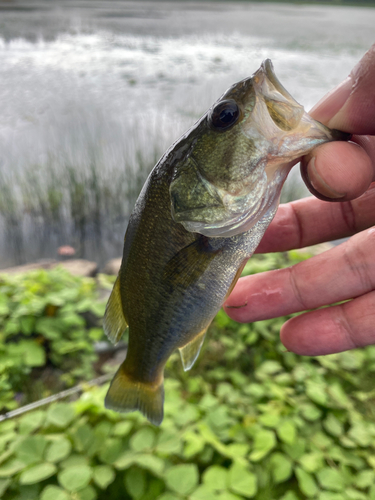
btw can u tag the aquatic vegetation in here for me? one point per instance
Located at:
(250, 421)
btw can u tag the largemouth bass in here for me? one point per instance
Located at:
(200, 215)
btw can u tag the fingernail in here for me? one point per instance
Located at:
(319, 186)
(331, 103)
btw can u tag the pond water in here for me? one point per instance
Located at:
(92, 92)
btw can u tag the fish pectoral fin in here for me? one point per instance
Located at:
(125, 395)
(114, 322)
(190, 351)
(186, 267)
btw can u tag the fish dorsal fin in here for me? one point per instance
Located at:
(114, 323)
(190, 351)
(188, 265)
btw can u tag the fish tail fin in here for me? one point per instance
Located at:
(126, 394)
(114, 322)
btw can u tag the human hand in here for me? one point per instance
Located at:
(339, 172)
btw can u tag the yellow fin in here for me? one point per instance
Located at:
(190, 351)
(126, 394)
(114, 323)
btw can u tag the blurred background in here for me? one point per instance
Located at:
(92, 93)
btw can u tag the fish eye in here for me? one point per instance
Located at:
(224, 115)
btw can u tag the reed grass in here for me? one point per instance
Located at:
(84, 203)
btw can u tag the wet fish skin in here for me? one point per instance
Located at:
(200, 215)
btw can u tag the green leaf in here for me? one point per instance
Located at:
(351, 360)
(143, 440)
(83, 437)
(311, 462)
(365, 479)
(218, 417)
(52, 492)
(73, 461)
(331, 479)
(194, 444)
(227, 495)
(310, 412)
(317, 393)
(125, 460)
(31, 449)
(135, 482)
(111, 450)
(11, 467)
(281, 466)
(328, 495)
(168, 442)
(269, 420)
(360, 434)
(182, 478)
(168, 496)
(290, 495)
(31, 422)
(75, 478)
(242, 481)
(332, 425)
(306, 482)
(37, 473)
(122, 428)
(287, 431)
(86, 493)
(264, 442)
(215, 477)
(103, 476)
(60, 415)
(4, 483)
(34, 354)
(150, 462)
(352, 494)
(269, 368)
(58, 450)
(203, 493)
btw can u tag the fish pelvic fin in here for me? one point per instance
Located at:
(126, 394)
(114, 323)
(190, 352)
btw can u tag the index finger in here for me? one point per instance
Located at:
(310, 221)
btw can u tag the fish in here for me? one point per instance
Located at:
(199, 217)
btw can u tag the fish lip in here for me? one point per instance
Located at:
(266, 70)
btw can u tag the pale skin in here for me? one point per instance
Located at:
(342, 174)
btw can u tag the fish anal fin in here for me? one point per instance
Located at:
(114, 323)
(126, 394)
(190, 351)
(188, 265)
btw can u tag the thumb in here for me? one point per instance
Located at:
(351, 106)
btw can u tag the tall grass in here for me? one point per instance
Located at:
(85, 205)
